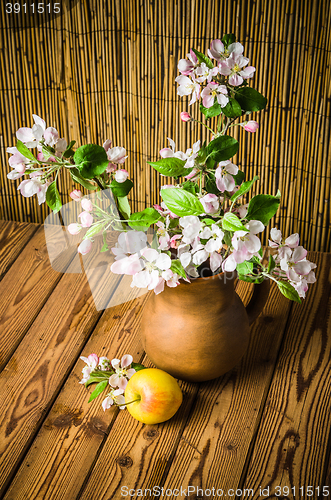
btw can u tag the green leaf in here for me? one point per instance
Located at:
(243, 277)
(121, 189)
(211, 185)
(69, 151)
(142, 220)
(239, 177)
(181, 202)
(25, 151)
(203, 59)
(95, 229)
(214, 110)
(208, 222)
(222, 148)
(244, 188)
(250, 99)
(76, 177)
(228, 39)
(171, 167)
(173, 223)
(230, 222)
(176, 267)
(98, 390)
(245, 267)
(191, 187)
(47, 154)
(137, 366)
(105, 247)
(271, 264)
(53, 199)
(262, 207)
(124, 206)
(232, 109)
(288, 291)
(91, 160)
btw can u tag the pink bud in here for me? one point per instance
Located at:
(121, 175)
(250, 126)
(74, 228)
(86, 219)
(87, 205)
(85, 247)
(76, 194)
(185, 116)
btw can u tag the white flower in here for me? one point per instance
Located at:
(224, 176)
(214, 90)
(92, 362)
(32, 136)
(191, 155)
(123, 372)
(129, 243)
(121, 175)
(170, 153)
(114, 397)
(192, 227)
(188, 87)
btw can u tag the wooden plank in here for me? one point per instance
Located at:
(182, 443)
(74, 431)
(13, 238)
(296, 421)
(35, 373)
(24, 290)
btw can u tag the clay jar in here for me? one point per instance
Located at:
(199, 330)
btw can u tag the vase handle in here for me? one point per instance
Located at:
(258, 300)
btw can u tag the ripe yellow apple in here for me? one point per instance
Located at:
(156, 396)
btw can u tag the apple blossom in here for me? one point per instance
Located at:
(123, 372)
(191, 225)
(214, 90)
(188, 87)
(32, 136)
(233, 67)
(32, 186)
(115, 397)
(191, 154)
(245, 244)
(216, 50)
(210, 203)
(224, 175)
(76, 195)
(296, 265)
(51, 136)
(129, 243)
(121, 175)
(164, 238)
(92, 362)
(169, 153)
(116, 154)
(250, 126)
(128, 265)
(85, 247)
(203, 73)
(185, 66)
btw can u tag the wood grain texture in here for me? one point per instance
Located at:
(13, 238)
(35, 373)
(74, 431)
(292, 444)
(218, 424)
(112, 71)
(24, 290)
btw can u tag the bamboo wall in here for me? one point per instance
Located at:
(106, 68)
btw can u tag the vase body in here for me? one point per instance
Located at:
(196, 331)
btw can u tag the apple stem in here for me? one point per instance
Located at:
(134, 401)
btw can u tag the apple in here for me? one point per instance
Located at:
(156, 396)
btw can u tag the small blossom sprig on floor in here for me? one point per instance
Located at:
(105, 372)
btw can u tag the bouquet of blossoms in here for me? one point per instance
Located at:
(203, 223)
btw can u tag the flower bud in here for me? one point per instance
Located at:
(85, 247)
(250, 126)
(87, 205)
(121, 175)
(86, 219)
(185, 116)
(74, 228)
(76, 194)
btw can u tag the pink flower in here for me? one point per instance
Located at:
(129, 243)
(92, 362)
(32, 136)
(121, 175)
(250, 126)
(191, 154)
(204, 73)
(76, 195)
(216, 50)
(245, 245)
(188, 87)
(85, 247)
(74, 228)
(233, 67)
(191, 225)
(224, 176)
(170, 153)
(185, 116)
(210, 203)
(86, 219)
(87, 205)
(114, 397)
(290, 242)
(164, 238)
(106, 145)
(296, 265)
(214, 90)
(128, 265)
(185, 66)
(51, 136)
(29, 187)
(123, 372)
(116, 154)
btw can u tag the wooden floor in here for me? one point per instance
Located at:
(267, 423)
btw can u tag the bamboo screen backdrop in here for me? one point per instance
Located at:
(105, 69)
